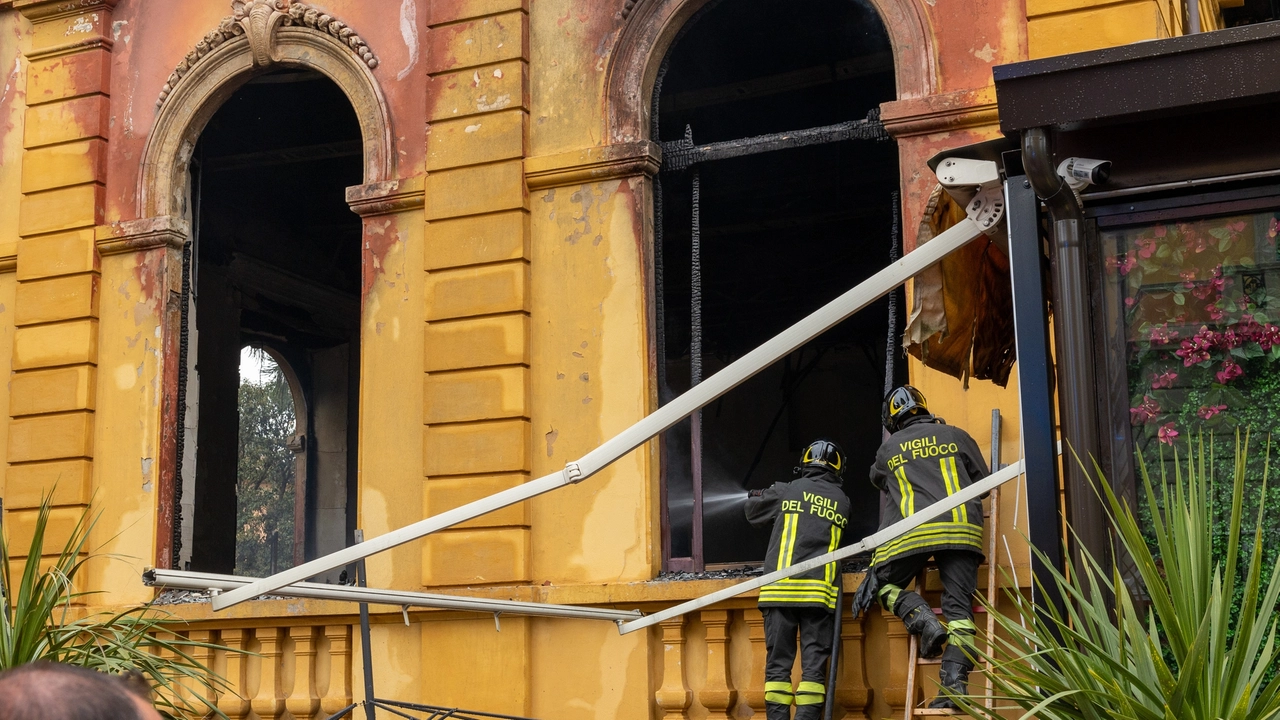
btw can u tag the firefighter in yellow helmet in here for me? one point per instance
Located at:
(808, 516)
(923, 461)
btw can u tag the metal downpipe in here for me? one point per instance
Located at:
(1074, 347)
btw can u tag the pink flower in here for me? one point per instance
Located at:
(1167, 434)
(1208, 411)
(1215, 312)
(1162, 334)
(1130, 302)
(1230, 371)
(1160, 231)
(1123, 263)
(1142, 414)
(1196, 350)
(1163, 380)
(1188, 277)
(1236, 227)
(1146, 247)
(1274, 229)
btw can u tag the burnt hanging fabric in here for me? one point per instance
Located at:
(962, 308)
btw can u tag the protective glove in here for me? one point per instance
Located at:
(865, 597)
(758, 492)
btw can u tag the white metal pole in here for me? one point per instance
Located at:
(398, 598)
(895, 530)
(774, 349)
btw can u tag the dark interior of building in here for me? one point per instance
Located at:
(276, 265)
(781, 234)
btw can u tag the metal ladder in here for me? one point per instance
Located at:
(991, 516)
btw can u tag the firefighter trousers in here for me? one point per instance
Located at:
(781, 626)
(958, 570)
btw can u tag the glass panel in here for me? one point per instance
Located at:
(1200, 302)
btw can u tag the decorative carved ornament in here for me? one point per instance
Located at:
(259, 20)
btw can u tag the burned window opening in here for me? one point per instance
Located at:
(776, 194)
(275, 264)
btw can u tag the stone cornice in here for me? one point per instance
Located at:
(34, 10)
(384, 198)
(941, 113)
(607, 162)
(145, 234)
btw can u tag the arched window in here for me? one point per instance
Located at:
(274, 262)
(778, 192)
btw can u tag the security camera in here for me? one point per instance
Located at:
(1080, 173)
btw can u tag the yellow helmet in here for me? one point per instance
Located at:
(902, 403)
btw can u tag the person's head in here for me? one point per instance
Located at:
(901, 405)
(49, 691)
(824, 454)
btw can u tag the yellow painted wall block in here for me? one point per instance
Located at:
(21, 526)
(477, 342)
(468, 557)
(476, 448)
(475, 190)
(58, 166)
(51, 437)
(1036, 8)
(63, 209)
(62, 298)
(61, 254)
(69, 343)
(46, 391)
(469, 92)
(483, 41)
(470, 141)
(1093, 28)
(441, 13)
(486, 394)
(70, 481)
(483, 668)
(444, 494)
(482, 290)
(477, 239)
(63, 76)
(73, 119)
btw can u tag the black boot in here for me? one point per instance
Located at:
(953, 677)
(920, 621)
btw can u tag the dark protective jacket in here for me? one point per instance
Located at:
(917, 466)
(808, 515)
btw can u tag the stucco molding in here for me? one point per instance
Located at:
(145, 234)
(389, 197)
(259, 21)
(941, 113)
(224, 69)
(34, 10)
(650, 26)
(609, 162)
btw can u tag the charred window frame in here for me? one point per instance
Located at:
(690, 170)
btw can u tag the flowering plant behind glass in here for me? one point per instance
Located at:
(1199, 319)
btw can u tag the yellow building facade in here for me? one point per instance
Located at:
(490, 318)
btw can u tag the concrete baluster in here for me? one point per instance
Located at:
(851, 689)
(303, 701)
(233, 699)
(204, 656)
(895, 691)
(674, 696)
(753, 695)
(337, 694)
(718, 695)
(267, 702)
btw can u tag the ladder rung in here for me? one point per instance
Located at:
(928, 661)
(934, 712)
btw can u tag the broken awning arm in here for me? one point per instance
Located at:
(870, 542)
(187, 580)
(985, 213)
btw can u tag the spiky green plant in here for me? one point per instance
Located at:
(39, 620)
(1185, 655)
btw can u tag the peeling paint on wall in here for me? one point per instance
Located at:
(409, 31)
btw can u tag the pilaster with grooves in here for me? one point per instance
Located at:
(56, 315)
(477, 434)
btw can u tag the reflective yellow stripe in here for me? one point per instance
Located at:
(931, 534)
(807, 699)
(835, 542)
(908, 503)
(807, 686)
(950, 483)
(776, 686)
(790, 521)
(778, 698)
